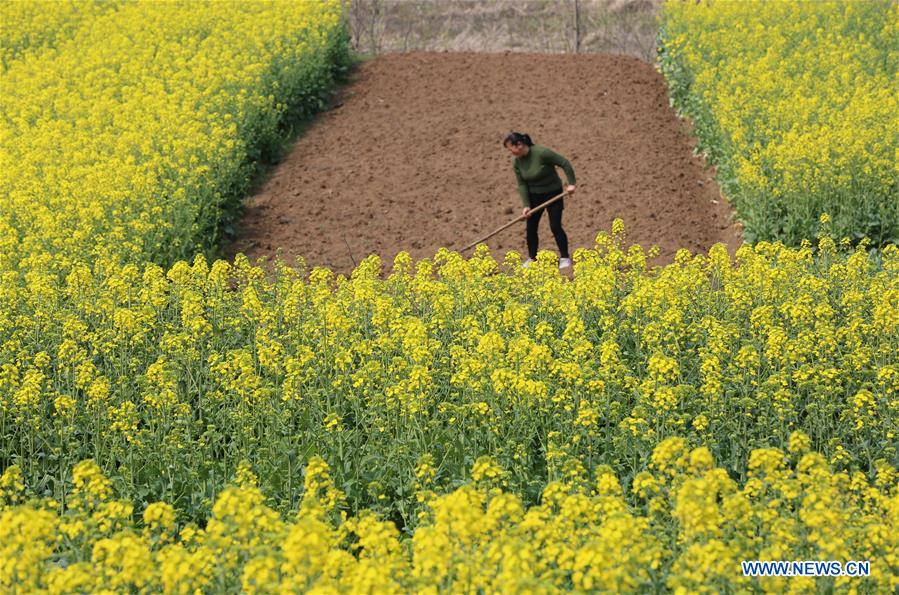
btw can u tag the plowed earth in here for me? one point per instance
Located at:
(410, 157)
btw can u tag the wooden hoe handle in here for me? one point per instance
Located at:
(513, 221)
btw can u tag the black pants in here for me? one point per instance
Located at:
(555, 222)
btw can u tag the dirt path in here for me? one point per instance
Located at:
(411, 158)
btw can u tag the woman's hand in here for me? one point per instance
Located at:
(570, 189)
(526, 212)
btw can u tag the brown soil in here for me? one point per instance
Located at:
(410, 157)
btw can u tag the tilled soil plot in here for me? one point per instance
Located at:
(410, 157)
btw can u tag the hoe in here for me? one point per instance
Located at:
(513, 221)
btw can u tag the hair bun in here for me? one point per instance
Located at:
(518, 137)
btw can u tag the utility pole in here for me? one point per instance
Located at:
(577, 26)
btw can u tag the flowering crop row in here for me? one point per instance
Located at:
(137, 136)
(795, 103)
(30, 26)
(686, 528)
(169, 378)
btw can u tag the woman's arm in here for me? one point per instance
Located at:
(522, 186)
(554, 158)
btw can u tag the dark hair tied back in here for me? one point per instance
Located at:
(518, 137)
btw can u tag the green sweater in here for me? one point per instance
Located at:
(536, 172)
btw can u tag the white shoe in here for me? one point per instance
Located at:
(527, 263)
(564, 263)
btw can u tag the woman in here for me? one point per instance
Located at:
(535, 170)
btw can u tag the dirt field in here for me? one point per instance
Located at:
(411, 158)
